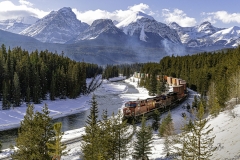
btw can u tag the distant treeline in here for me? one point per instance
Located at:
(201, 70)
(124, 69)
(32, 77)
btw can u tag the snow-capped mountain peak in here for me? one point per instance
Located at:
(196, 36)
(133, 18)
(174, 25)
(147, 29)
(99, 27)
(207, 28)
(17, 25)
(229, 36)
(56, 27)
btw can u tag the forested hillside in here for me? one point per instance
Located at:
(203, 72)
(32, 77)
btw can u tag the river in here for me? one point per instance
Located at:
(106, 100)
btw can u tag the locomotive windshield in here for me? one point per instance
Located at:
(130, 105)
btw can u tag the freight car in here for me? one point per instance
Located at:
(134, 110)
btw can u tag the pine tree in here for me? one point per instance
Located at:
(35, 131)
(53, 87)
(28, 97)
(181, 139)
(91, 146)
(43, 121)
(197, 144)
(213, 104)
(56, 147)
(5, 102)
(156, 120)
(122, 135)
(16, 91)
(153, 84)
(142, 146)
(26, 141)
(166, 127)
(167, 130)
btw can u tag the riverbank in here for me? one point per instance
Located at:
(11, 118)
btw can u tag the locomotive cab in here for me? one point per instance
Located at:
(129, 108)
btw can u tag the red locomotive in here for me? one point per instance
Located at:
(133, 110)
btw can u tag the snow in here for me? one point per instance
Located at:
(133, 18)
(228, 34)
(226, 128)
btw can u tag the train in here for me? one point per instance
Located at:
(134, 110)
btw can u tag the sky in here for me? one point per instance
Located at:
(186, 13)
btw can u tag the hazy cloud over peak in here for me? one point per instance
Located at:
(118, 15)
(179, 17)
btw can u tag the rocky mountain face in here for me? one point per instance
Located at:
(197, 36)
(17, 25)
(99, 29)
(57, 27)
(227, 37)
(147, 29)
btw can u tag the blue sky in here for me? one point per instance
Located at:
(221, 13)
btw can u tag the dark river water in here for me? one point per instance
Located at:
(106, 100)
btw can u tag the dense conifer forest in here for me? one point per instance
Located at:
(203, 72)
(32, 77)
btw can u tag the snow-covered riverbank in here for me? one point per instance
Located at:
(59, 108)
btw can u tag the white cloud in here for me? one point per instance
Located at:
(118, 15)
(23, 2)
(179, 17)
(223, 16)
(9, 10)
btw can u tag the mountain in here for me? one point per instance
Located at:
(28, 43)
(147, 29)
(101, 28)
(229, 36)
(197, 36)
(17, 25)
(56, 27)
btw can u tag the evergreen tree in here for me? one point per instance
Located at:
(43, 121)
(35, 131)
(16, 91)
(28, 97)
(56, 148)
(91, 147)
(53, 87)
(166, 127)
(122, 135)
(5, 102)
(161, 86)
(234, 82)
(142, 146)
(181, 139)
(198, 144)
(156, 120)
(153, 84)
(167, 130)
(213, 105)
